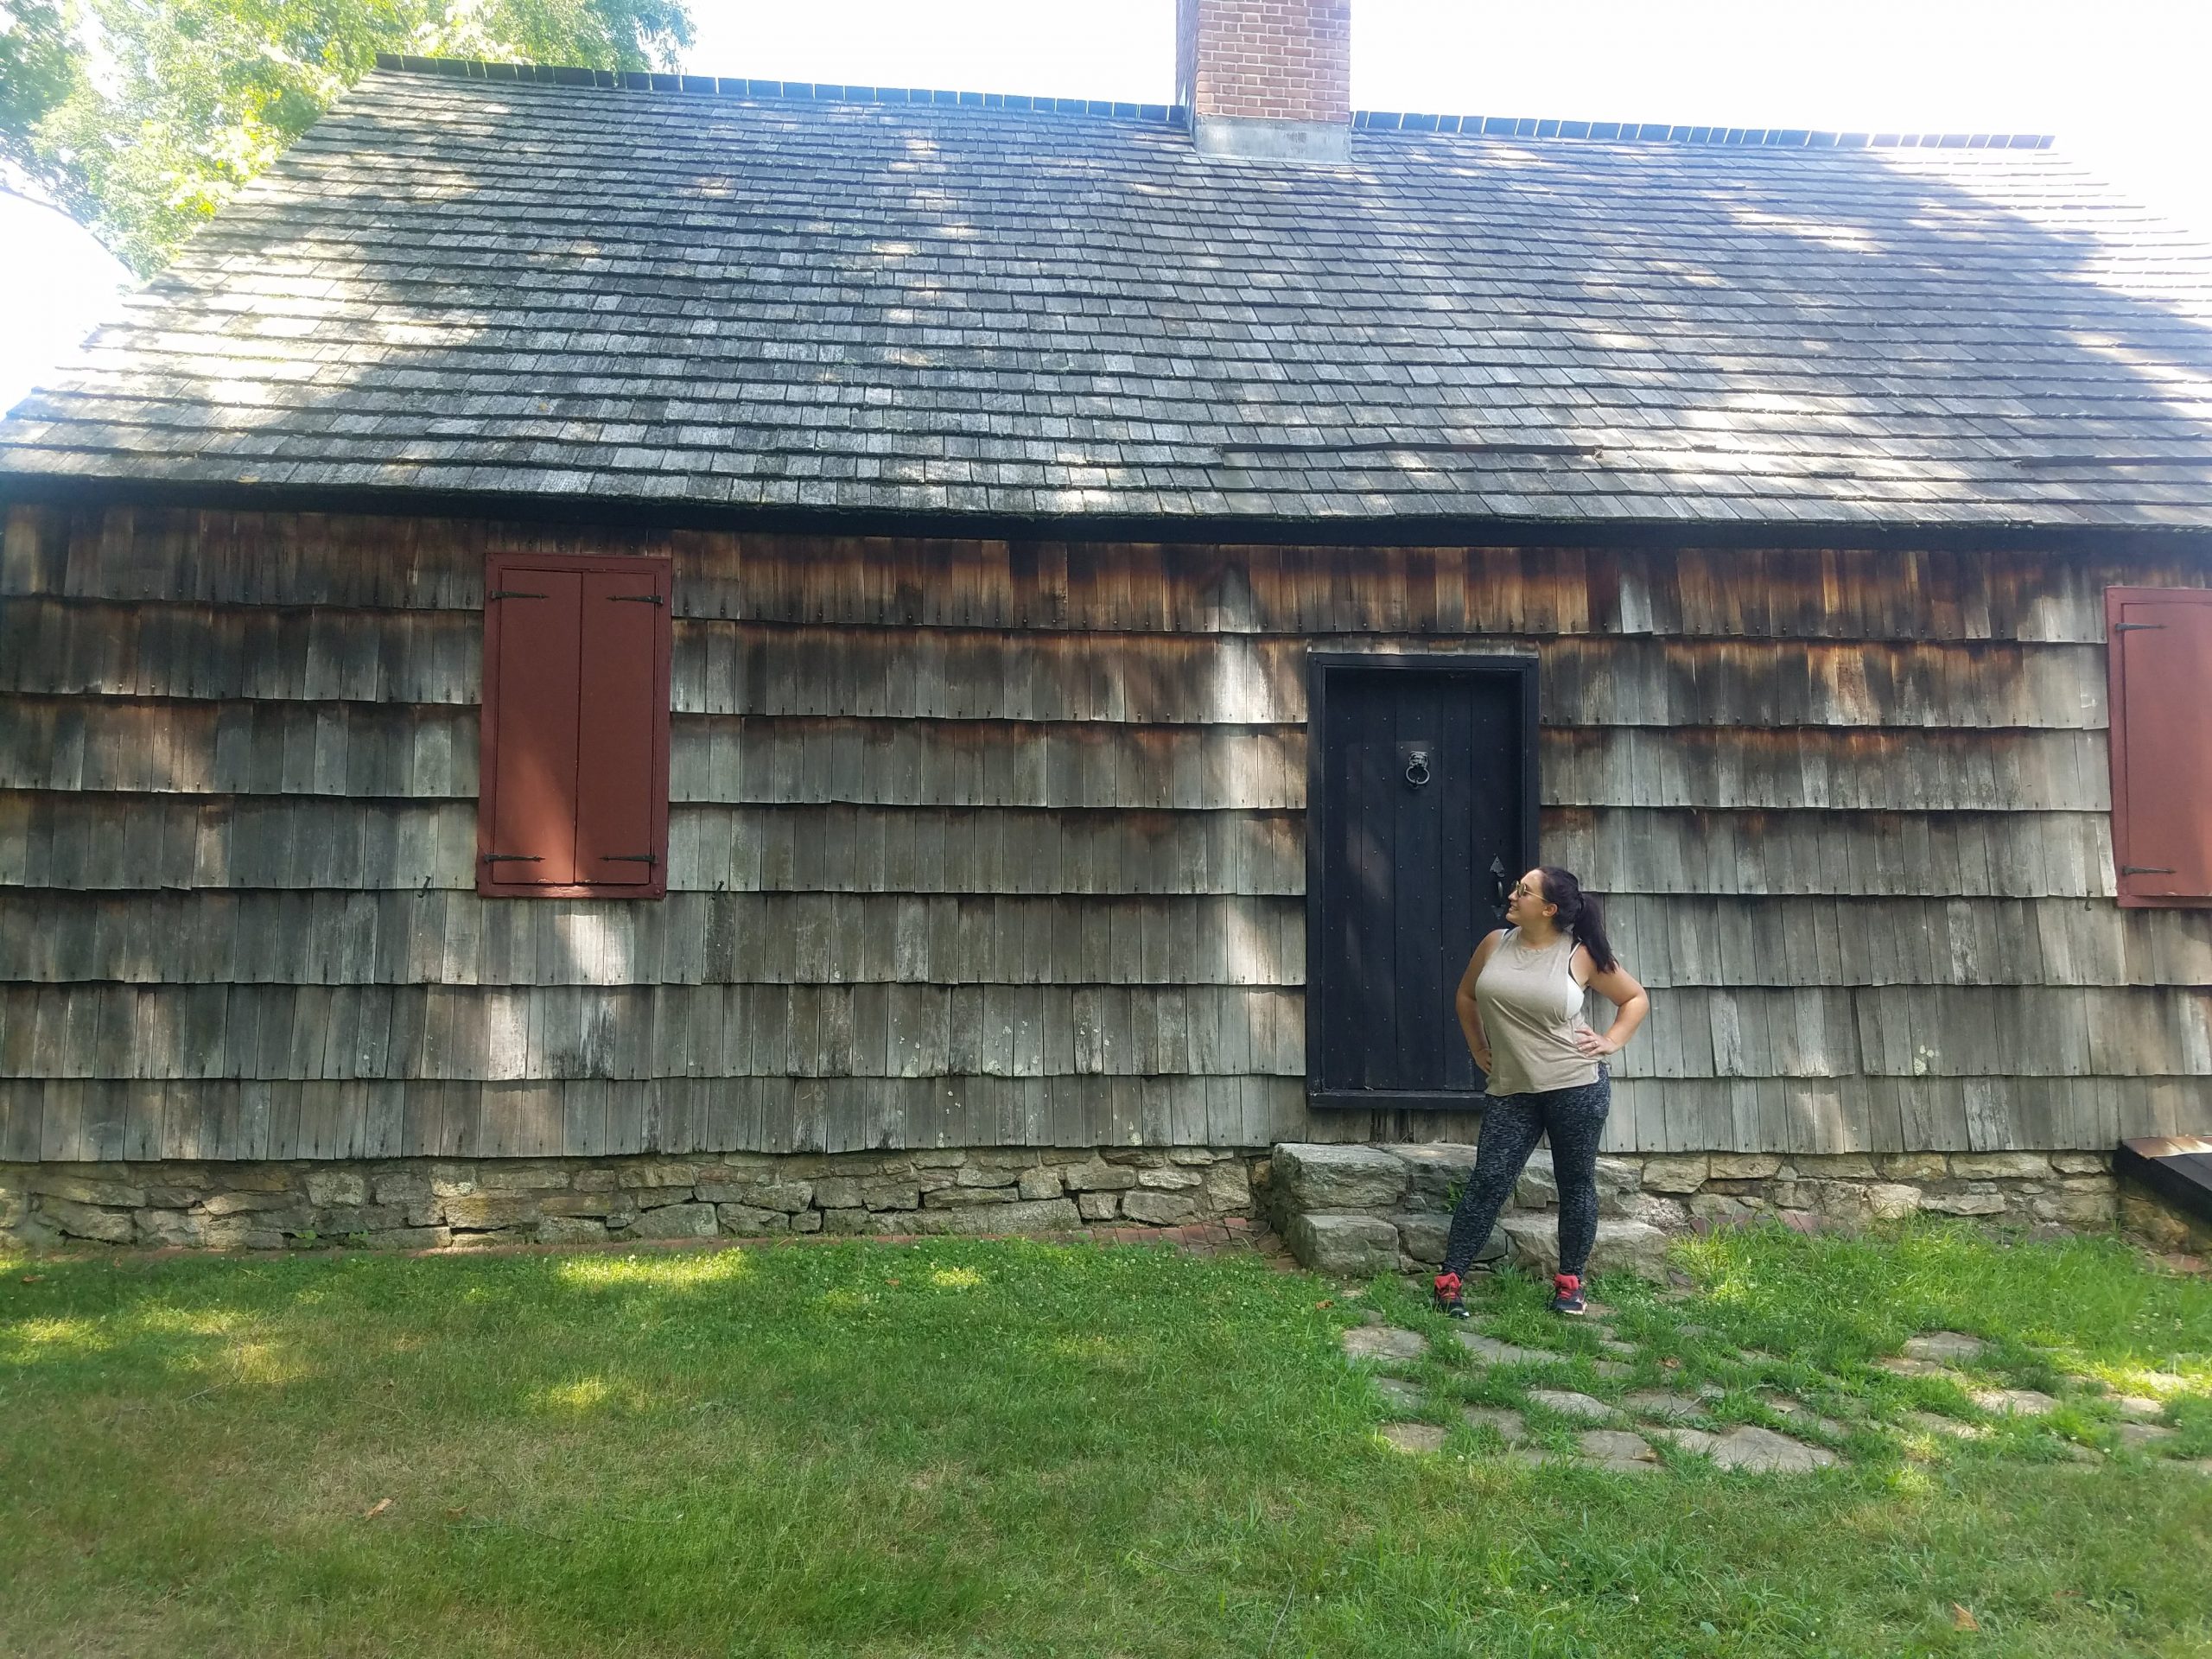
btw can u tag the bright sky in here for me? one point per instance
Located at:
(2121, 82)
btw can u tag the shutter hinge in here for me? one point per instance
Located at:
(2132, 627)
(2146, 869)
(630, 858)
(634, 599)
(513, 858)
(514, 593)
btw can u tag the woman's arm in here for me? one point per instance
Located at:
(1630, 1001)
(1471, 1015)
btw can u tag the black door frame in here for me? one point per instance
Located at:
(1319, 665)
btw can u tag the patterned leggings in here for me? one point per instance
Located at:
(1574, 1118)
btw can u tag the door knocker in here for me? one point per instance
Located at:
(1417, 772)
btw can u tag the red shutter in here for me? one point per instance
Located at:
(573, 794)
(622, 701)
(533, 761)
(2161, 681)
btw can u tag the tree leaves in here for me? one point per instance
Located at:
(143, 117)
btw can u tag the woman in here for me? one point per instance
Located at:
(1520, 1004)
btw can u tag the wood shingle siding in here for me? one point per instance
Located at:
(352, 563)
(998, 842)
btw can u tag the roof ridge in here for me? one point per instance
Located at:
(643, 80)
(1662, 132)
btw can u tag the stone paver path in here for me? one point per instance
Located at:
(1763, 1452)
(1491, 1351)
(1928, 1422)
(1398, 1394)
(1412, 1437)
(2139, 1437)
(1567, 1403)
(2014, 1402)
(1383, 1342)
(1614, 1445)
(1946, 1347)
(1898, 1365)
(1508, 1424)
(1693, 1417)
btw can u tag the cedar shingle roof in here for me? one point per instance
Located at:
(544, 290)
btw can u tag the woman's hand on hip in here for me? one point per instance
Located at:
(1593, 1046)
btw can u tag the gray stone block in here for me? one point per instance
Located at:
(1047, 1215)
(1677, 1174)
(1354, 1246)
(233, 1203)
(1421, 1237)
(1964, 1203)
(787, 1196)
(1538, 1188)
(678, 1221)
(410, 1238)
(515, 1178)
(968, 1198)
(1160, 1209)
(483, 1211)
(1038, 1185)
(559, 1229)
(1228, 1188)
(1999, 1165)
(77, 1188)
(88, 1221)
(1171, 1178)
(170, 1228)
(1315, 1180)
(1433, 1172)
(657, 1172)
(240, 1233)
(1098, 1176)
(1622, 1246)
(750, 1221)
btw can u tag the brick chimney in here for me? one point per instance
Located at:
(1266, 79)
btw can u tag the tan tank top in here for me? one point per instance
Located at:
(1531, 1009)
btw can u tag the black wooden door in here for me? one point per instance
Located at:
(1423, 814)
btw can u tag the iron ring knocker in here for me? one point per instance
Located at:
(1417, 772)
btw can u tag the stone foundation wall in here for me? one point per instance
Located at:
(1365, 1210)
(427, 1204)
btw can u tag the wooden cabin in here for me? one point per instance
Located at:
(699, 639)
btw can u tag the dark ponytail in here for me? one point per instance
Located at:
(1579, 913)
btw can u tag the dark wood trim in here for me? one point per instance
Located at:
(1387, 1100)
(1406, 530)
(1522, 666)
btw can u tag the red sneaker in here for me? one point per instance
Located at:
(1448, 1299)
(1566, 1293)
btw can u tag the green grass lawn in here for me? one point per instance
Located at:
(1020, 1448)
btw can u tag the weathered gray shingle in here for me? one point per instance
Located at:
(549, 290)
